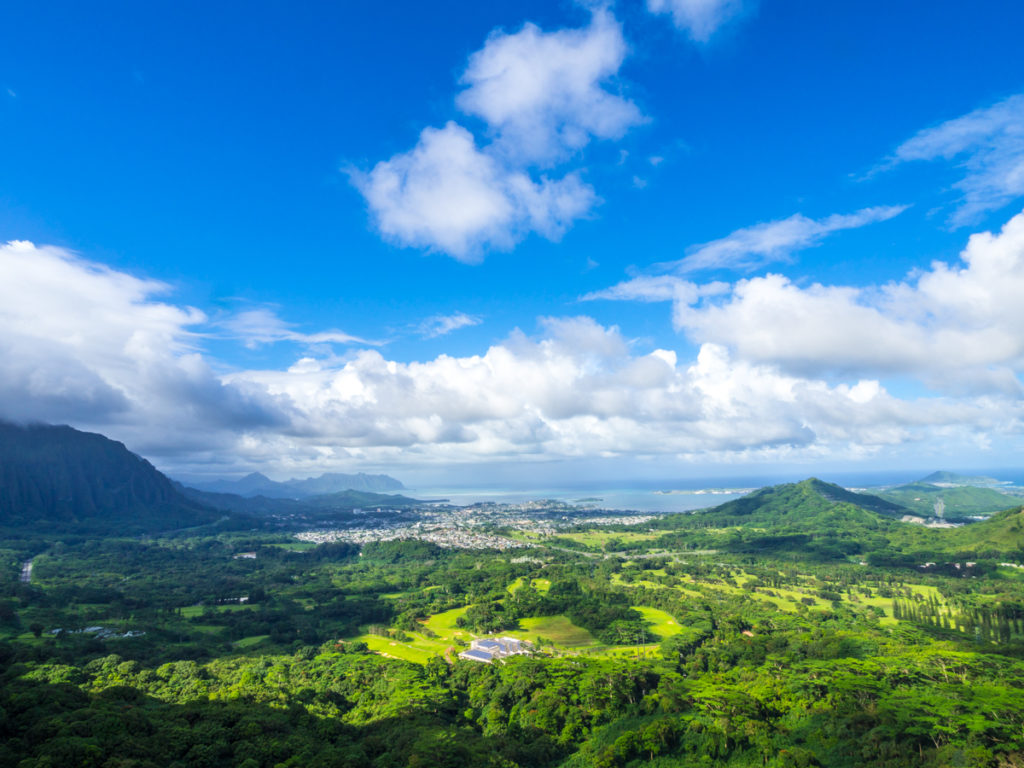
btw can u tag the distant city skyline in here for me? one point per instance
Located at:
(513, 243)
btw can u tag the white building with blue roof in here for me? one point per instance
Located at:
(488, 649)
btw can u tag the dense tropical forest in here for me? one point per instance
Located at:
(802, 625)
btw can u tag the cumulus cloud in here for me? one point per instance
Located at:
(955, 327)
(698, 18)
(763, 243)
(989, 144)
(442, 325)
(578, 391)
(255, 327)
(108, 351)
(447, 195)
(85, 343)
(542, 96)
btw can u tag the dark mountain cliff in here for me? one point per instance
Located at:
(59, 478)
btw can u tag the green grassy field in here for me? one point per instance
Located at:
(541, 585)
(413, 651)
(191, 611)
(558, 629)
(294, 546)
(443, 624)
(662, 624)
(249, 642)
(561, 636)
(600, 538)
(787, 599)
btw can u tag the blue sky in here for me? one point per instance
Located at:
(663, 239)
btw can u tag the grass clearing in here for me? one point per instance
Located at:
(558, 629)
(294, 546)
(600, 538)
(191, 611)
(249, 642)
(662, 624)
(394, 649)
(443, 624)
(541, 585)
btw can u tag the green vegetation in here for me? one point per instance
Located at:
(59, 479)
(964, 501)
(557, 632)
(793, 627)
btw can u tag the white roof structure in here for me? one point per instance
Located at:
(489, 648)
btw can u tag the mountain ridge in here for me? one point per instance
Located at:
(58, 477)
(257, 484)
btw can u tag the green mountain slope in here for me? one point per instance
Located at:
(809, 504)
(811, 519)
(1003, 532)
(961, 501)
(60, 479)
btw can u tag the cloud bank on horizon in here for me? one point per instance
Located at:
(761, 359)
(112, 355)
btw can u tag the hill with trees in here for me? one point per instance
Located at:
(961, 501)
(952, 478)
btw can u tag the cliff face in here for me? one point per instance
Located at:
(60, 478)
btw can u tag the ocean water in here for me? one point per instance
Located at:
(632, 499)
(680, 495)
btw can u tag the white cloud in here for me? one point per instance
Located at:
(447, 195)
(543, 93)
(656, 288)
(262, 326)
(770, 241)
(578, 391)
(956, 328)
(698, 18)
(85, 343)
(542, 97)
(442, 325)
(100, 349)
(990, 145)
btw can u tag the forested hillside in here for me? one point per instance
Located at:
(58, 478)
(921, 498)
(803, 625)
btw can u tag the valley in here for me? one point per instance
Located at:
(801, 624)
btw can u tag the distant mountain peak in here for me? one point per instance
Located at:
(943, 477)
(258, 484)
